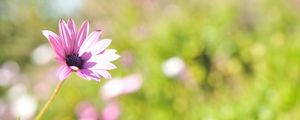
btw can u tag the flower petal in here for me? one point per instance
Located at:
(80, 74)
(88, 74)
(86, 56)
(100, 46)
(103, 66)
(63, 72)
(107, 56)
(90, 40)
(87, 65)
(73, 32)
(71, 25)
(54, 41)
(82, 34)
(61, 61)
(104, 74)
(65, 34)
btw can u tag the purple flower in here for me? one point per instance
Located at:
(81, 52)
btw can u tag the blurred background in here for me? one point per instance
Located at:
(180, 60)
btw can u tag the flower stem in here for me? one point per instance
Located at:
(50, 100)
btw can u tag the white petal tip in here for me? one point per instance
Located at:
(117, 56)
(108, 40)
(74, 68)
(45, 33)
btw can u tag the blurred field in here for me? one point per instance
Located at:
(197, 59)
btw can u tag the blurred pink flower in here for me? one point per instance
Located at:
(86, 111)
(111, 111)
(127, 59)
(79, 52)
(9, 72)
(116, 87)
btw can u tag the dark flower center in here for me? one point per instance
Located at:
(74, 60)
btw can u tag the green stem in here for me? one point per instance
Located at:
(57, 88)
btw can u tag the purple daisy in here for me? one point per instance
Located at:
(80, 52)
